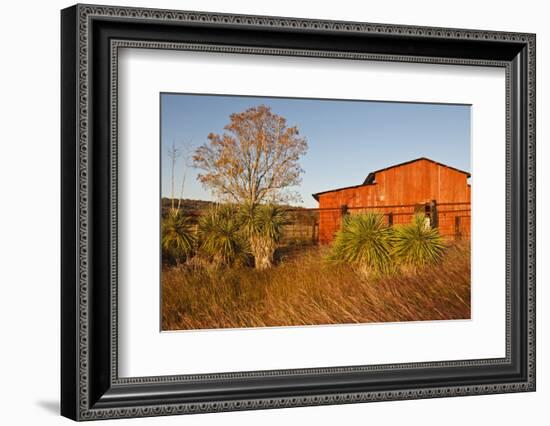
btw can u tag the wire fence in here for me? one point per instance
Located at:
(319, 225)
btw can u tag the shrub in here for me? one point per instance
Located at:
(262, 225)
(364, 240)
(417, 244)
(220, 236)
(177, 237)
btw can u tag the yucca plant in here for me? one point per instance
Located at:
(177, 239)
(262, 225)
(220, 236)
(417, 244)
(364, 240)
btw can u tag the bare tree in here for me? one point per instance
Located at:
(174, 153)
(255, 160)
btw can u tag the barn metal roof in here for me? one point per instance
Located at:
(369, 180)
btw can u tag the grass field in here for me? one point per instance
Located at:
(305, 289)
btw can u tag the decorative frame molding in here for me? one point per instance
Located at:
(91, 37)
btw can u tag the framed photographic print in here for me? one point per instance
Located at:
(263, 212)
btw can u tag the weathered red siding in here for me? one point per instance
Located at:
(416, 182)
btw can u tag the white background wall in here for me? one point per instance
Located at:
(29, 213)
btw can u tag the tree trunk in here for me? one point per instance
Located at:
(263, 250)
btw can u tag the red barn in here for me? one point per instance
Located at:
(398, 191)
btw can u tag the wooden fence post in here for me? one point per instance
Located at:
(313, 237)
(390, 219)
(457, 227)
(343, 213)
(434, 220)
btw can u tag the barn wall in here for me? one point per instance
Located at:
(414, 183)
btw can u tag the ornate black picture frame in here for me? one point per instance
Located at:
(91, 36)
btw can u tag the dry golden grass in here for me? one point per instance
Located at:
(306, 290)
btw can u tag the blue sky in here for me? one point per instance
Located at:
(346, 139)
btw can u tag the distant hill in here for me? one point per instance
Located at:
(189, 207)
(197, 207)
